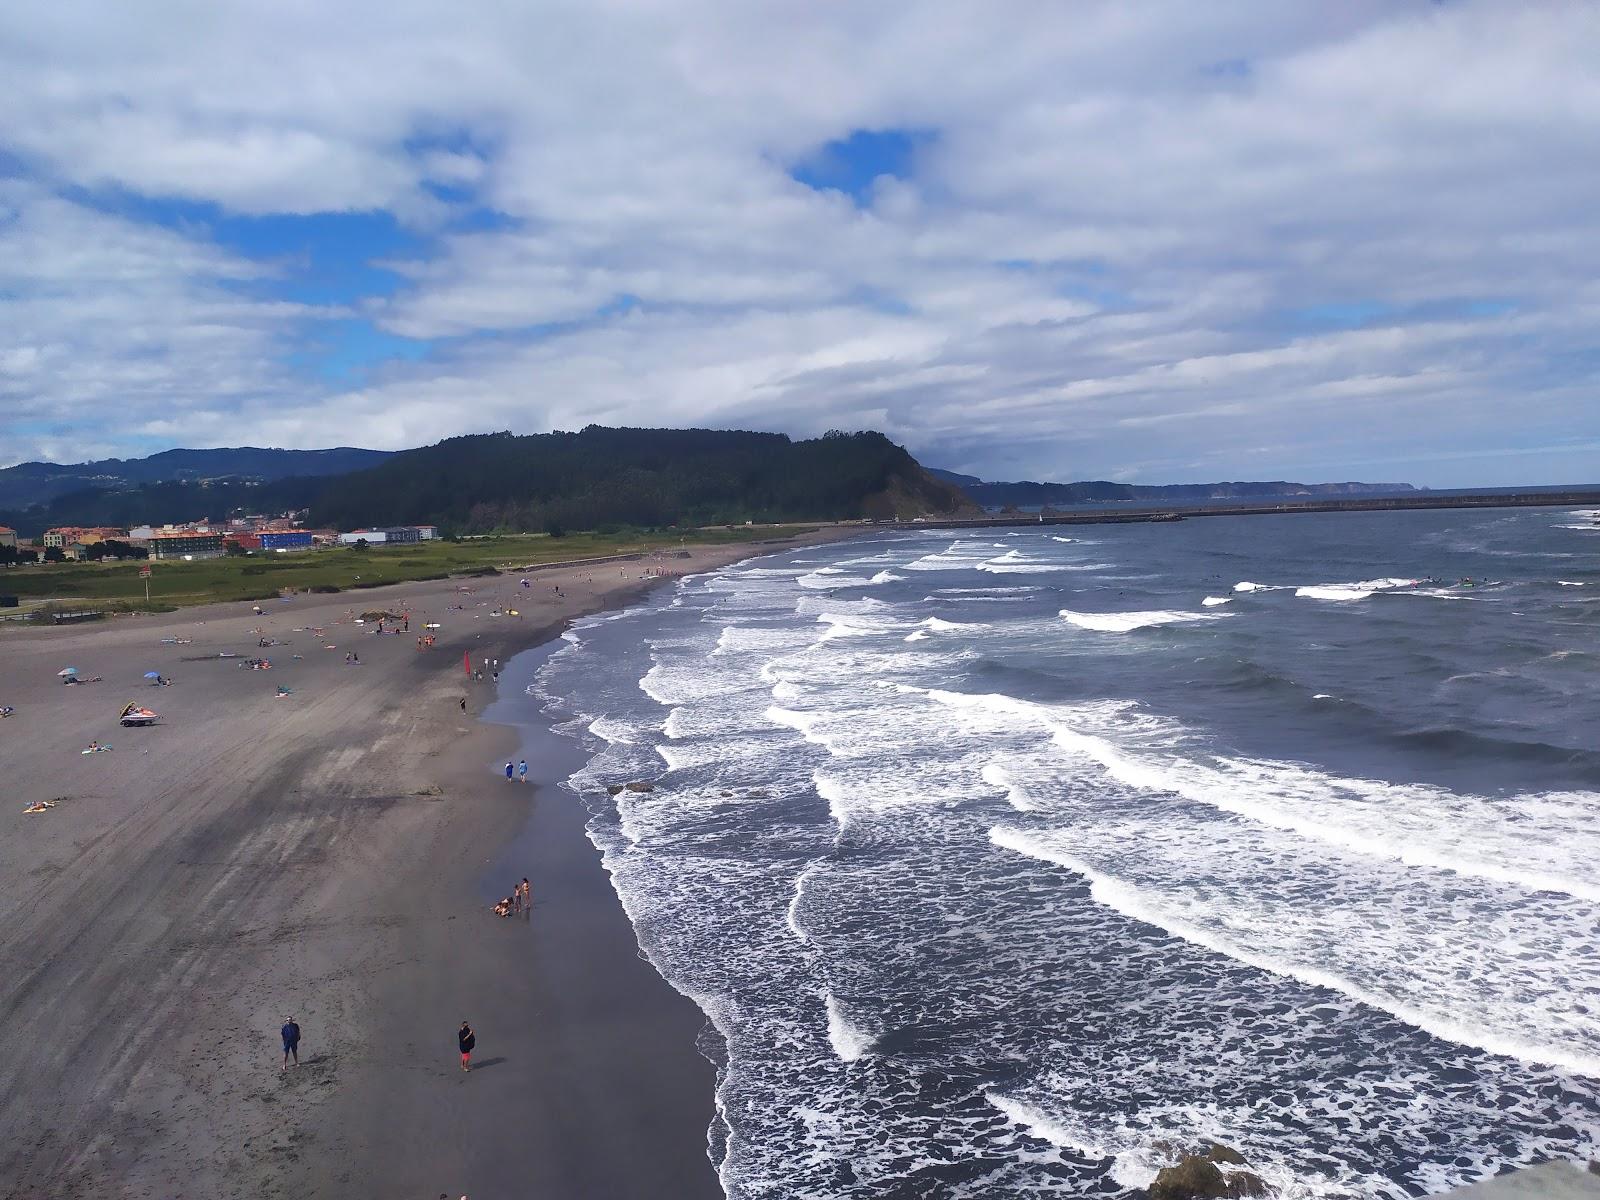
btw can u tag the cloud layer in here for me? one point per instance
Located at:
(1157, 242)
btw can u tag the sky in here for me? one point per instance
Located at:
(1152, 242)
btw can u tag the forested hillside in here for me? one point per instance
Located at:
(553, 481)
(32, 484)
(648, 477)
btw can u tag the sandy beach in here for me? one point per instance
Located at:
(328, 855)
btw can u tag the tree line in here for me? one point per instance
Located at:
(593, 479)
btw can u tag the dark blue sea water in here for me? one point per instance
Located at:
(1004, 861)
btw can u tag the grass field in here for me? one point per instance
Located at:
(118, 587)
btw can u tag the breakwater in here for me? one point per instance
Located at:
(1139, 515)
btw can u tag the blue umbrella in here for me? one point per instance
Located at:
(67, 671)
(152, 674)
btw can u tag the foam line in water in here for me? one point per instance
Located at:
(1214, 601)
(1359, 590)
(1132, 1166)
(791, 916)
(849, 1041)
(1310, 803)
(1128, 900)
(1332, 593)
(1128, 621)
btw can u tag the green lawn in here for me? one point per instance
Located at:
(117, 586)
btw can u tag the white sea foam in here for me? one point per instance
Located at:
(1214, 601)
(744, 905)
(958, 556)
(1138, 905)
(614, 730)
(1332, 593)
(803, 722)
(1128, 621)
(939, 626)
(830, 578)
(849, 1041)
(1360, 590)
(1139, 1146)
(1134, 1165)
(920, 635)
(846, 625)
(836, 796)
(791, 916)
(1416, 825)
(1568, 583)
(996, 776)
(885, 577)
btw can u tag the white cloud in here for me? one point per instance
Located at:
(1128, 237)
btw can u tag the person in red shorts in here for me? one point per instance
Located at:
(466, 1039)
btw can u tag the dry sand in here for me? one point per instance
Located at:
(330, 856)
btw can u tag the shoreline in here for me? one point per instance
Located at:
(590, 1048)
(321, 855)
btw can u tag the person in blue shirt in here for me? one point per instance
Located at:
(291, 1043)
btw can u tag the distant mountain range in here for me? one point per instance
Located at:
(596, 478)
(38, 483)
(1027, 494)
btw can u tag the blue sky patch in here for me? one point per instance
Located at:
(850, 164)
(344, 352)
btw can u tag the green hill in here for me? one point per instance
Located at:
(598, 478)
(648, 477)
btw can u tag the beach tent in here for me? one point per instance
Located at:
(152, 674)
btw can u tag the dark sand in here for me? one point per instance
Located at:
(585, 1079)
(329, 856)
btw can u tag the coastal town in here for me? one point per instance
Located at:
(195, 540)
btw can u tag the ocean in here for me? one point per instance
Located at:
(1002, 862)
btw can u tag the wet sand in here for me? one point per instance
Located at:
(331, 856)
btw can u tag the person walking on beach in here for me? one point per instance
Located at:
(509, 769)
(463, 704)
(466, 1039)
(522, 770)
(525, 891)
(291, 1043)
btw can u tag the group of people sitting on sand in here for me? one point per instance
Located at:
(520, 900)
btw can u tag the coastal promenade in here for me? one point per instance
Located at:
(319, 855)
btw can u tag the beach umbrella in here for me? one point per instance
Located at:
(152, 674)
(66, 671)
